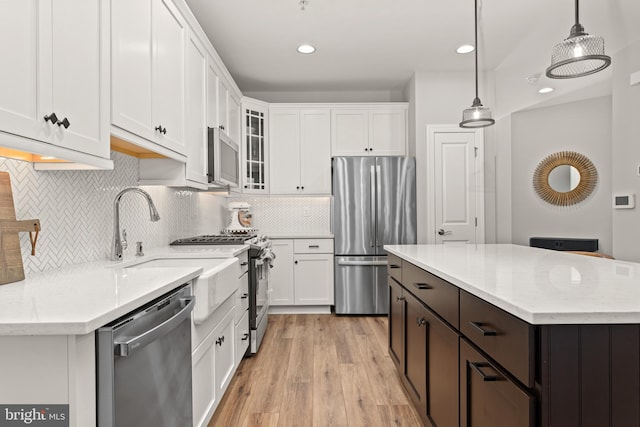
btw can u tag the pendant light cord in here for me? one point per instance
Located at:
(475, 20)
(577, 14)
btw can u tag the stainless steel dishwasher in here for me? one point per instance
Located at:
(144, 365)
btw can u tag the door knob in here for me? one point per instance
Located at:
(443, 232)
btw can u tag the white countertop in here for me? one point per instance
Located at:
(78, 299)
(276, 236)
(537, 285)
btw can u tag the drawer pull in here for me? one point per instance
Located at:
(244, 263)
(421, 321)
(245, 337)
(485, 332)
(398, 299)
(476, 367)
(422, 286)
(394, 266)
(313, 246)
(244, 296)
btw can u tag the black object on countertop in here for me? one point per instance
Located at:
(564, 244)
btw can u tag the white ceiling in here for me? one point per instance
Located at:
(373, 45)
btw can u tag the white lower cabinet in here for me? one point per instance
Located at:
(303, 273)
(242, 337)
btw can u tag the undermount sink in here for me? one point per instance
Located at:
(219, 280)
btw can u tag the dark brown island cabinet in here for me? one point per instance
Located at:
(467, 363)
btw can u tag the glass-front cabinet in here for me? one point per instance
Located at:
(255, 148)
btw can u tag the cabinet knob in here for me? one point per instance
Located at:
(366, 149)
(52, 118)
(64, 122)
(246, 186)
(297, 187)
(295, 262)
(302, 188)
(421, 321)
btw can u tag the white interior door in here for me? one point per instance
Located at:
(457, 201)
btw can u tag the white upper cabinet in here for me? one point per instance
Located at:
(196, 110)
(369, 131)
(255, 146)
(148, 44)
(300, 151)
(55, 75)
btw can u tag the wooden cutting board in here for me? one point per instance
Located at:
(11, 268)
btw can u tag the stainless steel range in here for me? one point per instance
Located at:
(260, 260)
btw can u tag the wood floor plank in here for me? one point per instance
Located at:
(297, 406)
(328, 399)
(398, 415)
(359, 403)
(316, 371)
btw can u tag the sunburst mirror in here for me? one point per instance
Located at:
(565, 178)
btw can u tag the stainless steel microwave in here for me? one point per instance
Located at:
(224, 159)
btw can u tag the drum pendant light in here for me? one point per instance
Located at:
(578, 55)
(477, 116)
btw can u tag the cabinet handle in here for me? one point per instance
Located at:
(476, 367)
(220, 340)
(64, 122)
(244, 296)
(421, 321)
(399, 299)
(161, 129)
(245, 337)
(242, 264)
(394, 266)
(485, 332)
(422, 286)
(52, 118)
(314, 246)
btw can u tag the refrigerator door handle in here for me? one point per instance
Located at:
(372, 211)
(378, 198)
(363, 263)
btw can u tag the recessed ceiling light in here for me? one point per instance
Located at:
(306, 48)
(465, 48)
(546, 90)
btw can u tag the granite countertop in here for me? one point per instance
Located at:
(538, 286)
(78, 299)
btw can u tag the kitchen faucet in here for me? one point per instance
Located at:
(116, 249)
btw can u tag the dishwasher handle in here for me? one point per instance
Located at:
(363, 263)
(128, 347)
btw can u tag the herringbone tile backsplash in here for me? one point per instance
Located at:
(75, 209)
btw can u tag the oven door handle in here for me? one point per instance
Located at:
(128, 347)
(364, 263)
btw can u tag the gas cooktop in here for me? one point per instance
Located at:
(214, 239)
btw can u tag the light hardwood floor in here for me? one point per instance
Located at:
(318, 370)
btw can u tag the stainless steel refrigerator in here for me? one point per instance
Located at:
(374, 204)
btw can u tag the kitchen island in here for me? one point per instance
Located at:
(507, 335)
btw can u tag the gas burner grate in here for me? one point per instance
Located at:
(213, 239)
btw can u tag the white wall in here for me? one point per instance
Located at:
(626, 151)
(437, 99)
(584, 127)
